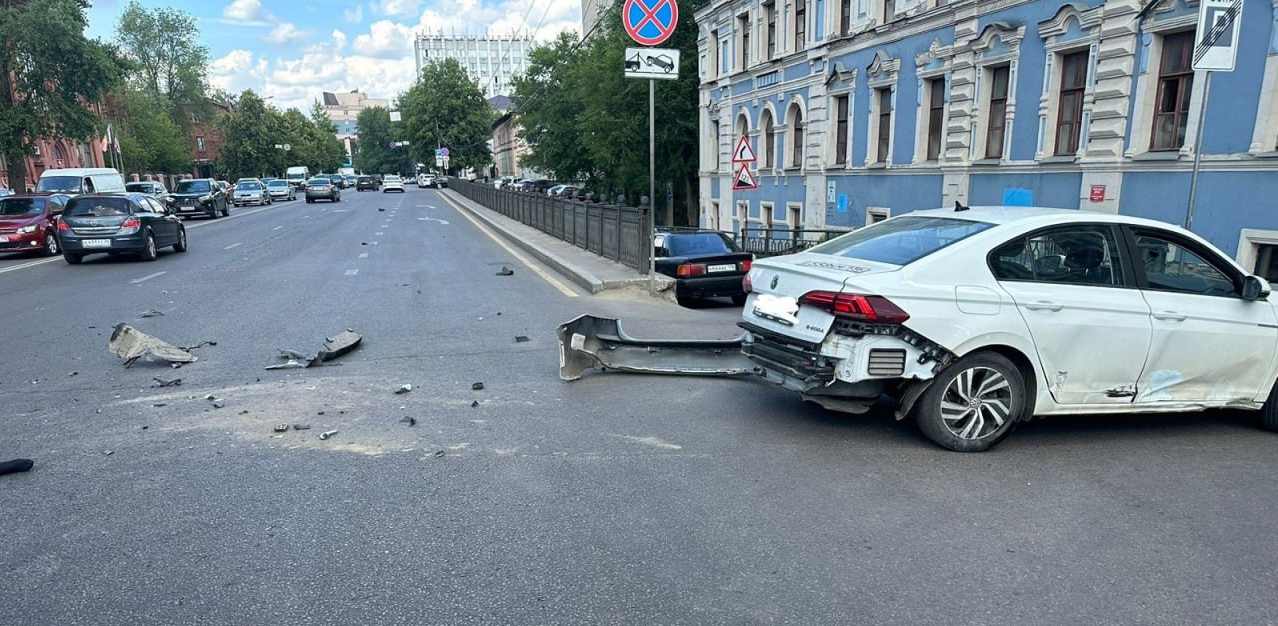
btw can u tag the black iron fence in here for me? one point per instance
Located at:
(765, 242)
(611, 231)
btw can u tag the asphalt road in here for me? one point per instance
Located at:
(613, 499)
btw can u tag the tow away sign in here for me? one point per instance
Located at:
(662, 63)
(1216, 43)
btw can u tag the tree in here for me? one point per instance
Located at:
(551, 124)
(149, 139)
(376, 134)
(248, 146)
(49, 72)
(164, 45)
(446, 108)
(329, 152)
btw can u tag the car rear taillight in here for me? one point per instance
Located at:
(873, 309)
(691, 270)
(746, 265)
(132, 223)
(63, 227)
(746, 284)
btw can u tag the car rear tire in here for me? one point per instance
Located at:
(973, 404)
(73, 259)
(739, 300)
(51, 245)
(1269, 412)
(149, 252)
(180, 246)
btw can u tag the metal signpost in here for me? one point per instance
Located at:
(441, 159)
(1215, 50)
(651, 23)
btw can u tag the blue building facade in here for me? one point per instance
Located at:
(862, 109)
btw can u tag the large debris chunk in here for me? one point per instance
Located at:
(131, 344)
(590, 342)
(334, 347)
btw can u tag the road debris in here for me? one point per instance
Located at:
(381, 210)
(73, 374)
(108, 452)
(403, 389)
(326, 434)
(339, 345)
(411, 421)
(301, 426)
(151, 313)
(131, 344)
(505, 271)
(281, 428)
(521, 339)
(477, 387)
(199, 345)
(288, 365)
(293, 355)
(440, 453)
(590, 342)
(474, 404)
(15, 466)
(167, 382)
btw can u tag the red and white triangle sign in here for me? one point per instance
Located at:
(743, 153)
(745, 179)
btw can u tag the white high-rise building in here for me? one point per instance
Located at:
(492, 62)
(590, 14)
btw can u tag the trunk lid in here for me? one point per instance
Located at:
(779, 282)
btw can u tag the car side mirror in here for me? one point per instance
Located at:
(1255, 288)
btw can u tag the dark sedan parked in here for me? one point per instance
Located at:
(704, 264)
(322, 188)
(199, 196)
(131, 223)
(28, 223)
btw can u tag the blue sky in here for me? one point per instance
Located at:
(292, 51)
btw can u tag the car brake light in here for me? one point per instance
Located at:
(63, 227)
(746, 284)
(132, 222)
(874, 309)
(691, 270)
(746, 265)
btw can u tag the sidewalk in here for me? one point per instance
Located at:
(591, 272)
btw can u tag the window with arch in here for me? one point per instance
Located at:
(795, 122)
(769, 144)
(742, 130)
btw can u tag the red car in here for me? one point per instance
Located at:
(29, 223)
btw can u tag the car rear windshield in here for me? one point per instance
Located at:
(138, 187)
(10, 207)
(247, 186)
(319, 181)
(193, 186)
(696, 244)
(98, 207)
(901, 241)
(59, 184)
(277, 183)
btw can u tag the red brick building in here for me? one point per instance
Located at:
(53, 154)
(206, 141)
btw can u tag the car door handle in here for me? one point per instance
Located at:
(1044, 305)
(1170, 316)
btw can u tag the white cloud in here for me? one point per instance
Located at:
(355, 15)
(396, 8)
(245, 12)
(286, 32)
(385, 39)
(339, 39)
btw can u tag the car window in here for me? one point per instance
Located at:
(59, 184)
(13, 207)
(98, 207)
(696, 244)
(1171, 267)
(246, 186)
(155, 205)
(193, 186)
(903, 240)
(1075, 255)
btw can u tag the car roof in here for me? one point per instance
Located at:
(79, 171)
(1035, 216)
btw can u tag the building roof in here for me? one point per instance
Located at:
(500, 103)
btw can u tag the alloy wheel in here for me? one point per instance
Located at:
(976, 404)
(51, 245)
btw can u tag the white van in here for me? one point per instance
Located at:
(81, 180)
(297, 175)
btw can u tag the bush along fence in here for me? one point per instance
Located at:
(611, 231)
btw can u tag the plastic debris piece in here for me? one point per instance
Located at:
(411, 421)
(151, 313)
(403, 389)
(301, 426)
(131, 344)
(440, 453)
(281, 428)
(289, 365)
(474, 404)
(477, 386)
(326, 434)
(521, 339)
(15, 466)
(505, 271)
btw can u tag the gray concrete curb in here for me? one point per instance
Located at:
(582, 277)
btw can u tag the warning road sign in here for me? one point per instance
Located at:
(1216, 44)
(744, 180)
(650, 22)
(743, 153)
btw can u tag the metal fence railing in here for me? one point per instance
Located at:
(764, 242)
(611, 231)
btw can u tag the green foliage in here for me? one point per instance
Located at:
(330, 154)
(376, 155)
(249, 139)
(163, 44)
(446, 108)
(48, 71)
(149, 139)
(583, 120)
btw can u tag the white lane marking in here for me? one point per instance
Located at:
(546, 276)
(138, 281)
(351, 272)
(233, 246)
(432, 219)
(372, 243)
(31, 264)
(277, 228)
(363, 255)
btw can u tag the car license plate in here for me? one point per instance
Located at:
(96, 243)
(779, 309)
(731, 267)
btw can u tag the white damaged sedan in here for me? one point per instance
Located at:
(977, 319)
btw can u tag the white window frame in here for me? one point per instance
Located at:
(1265, 137)
(792, 208)
(765, 214)
(872, 212)
(1142, 122)
(762, 143)
(795, 104)
(741, 57)
(714, 214)
(883, 73)
(1053, 31)
(986, 62)
(832, 149)
(1249, 242)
